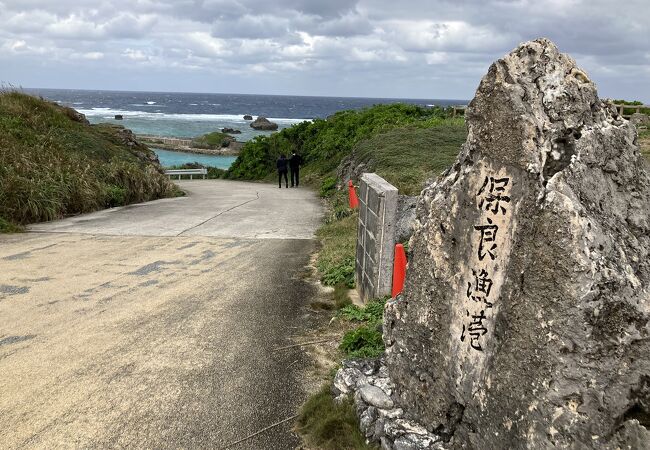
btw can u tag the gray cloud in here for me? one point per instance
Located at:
(424, 48)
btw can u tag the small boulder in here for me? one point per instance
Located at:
(119, 117)
(640, 119)
(262, 123)
(230, 131)
(248, 117)
(375, 397)
(75, 115)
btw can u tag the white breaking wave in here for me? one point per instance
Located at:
(151, 103)
(108, 113)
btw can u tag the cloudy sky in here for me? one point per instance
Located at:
(374, 48)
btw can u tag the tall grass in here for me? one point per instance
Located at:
(329, 425)
(52, 165)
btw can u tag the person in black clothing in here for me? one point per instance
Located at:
(282, 164)
(294, 164)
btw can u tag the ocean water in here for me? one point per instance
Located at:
(191, 114)
(170, 158)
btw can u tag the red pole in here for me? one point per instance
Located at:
(354, 201)
(399, 270)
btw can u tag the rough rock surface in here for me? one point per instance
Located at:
(230, 131)
(640, 119)
(406, 207)
(351, 169)
(381, 422)
(248, 117)
(524, 322)
(262, 123)
(126, 137)
(74, 115)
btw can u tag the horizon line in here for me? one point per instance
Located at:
(231, 93)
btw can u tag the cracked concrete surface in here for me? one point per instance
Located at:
(117, 332)
(215, 208)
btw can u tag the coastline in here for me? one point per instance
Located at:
(180, 145)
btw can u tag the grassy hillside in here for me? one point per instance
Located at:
(407, 157)
(323, 143)
(53, 164)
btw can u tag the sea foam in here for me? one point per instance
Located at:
(109, 113)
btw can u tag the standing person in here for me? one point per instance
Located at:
(282, 164)
(294, 164)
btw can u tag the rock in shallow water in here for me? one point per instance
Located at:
(525, 316)
(262, 123)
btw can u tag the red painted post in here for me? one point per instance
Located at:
(354, 201)
(399, 270)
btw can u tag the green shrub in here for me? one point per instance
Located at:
(327, 187)
(329, 425)
(215, 173)
(372, 312)
(341, 273)
(214, 140)
(8, 227)
(115, 195)
(363, 342)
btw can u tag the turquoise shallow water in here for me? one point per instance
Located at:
(170, 158)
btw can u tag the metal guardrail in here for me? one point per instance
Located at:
(191, 172)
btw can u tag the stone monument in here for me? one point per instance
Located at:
(524, 322)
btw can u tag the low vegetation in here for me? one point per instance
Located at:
(323, 422)
(338, 241)
(214, 140)
(53, 164)
(330, 425)
(372, 313)
(364, 341)
(407, 157)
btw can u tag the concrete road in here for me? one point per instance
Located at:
(215, 208)
(155, 325)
